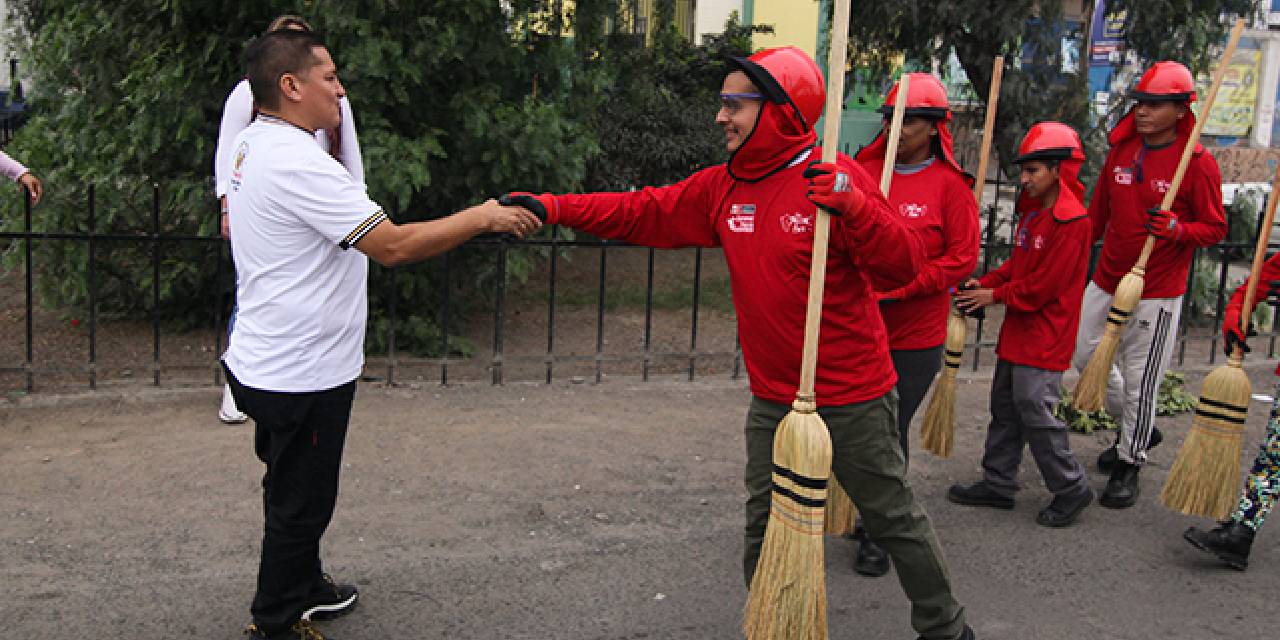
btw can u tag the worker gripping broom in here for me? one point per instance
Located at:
(1040, 286)
(760, 208)
(932, 194)
(1146, 146)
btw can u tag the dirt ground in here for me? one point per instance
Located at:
(563, 511)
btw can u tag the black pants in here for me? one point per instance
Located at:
(916, 370)
(299, 436)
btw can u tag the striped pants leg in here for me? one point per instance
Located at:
(1262, 485)
(1145, 349)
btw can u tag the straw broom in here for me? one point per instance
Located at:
(1203, 478)
(938, 431)
(1092, 387)
(788, 597)
(842, 515)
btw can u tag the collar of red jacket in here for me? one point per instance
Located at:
(1125, 129)
(876, 149)
(778, 138)
(1070, 202)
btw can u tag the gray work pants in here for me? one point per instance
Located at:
(1022, 401)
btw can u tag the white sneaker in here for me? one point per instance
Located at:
(229, 413)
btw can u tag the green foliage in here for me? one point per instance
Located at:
(1032, 89)
(1172, 400)
(456, 101)
(1082, 421)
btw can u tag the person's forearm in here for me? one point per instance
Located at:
(417, 241)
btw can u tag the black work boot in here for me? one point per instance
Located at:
(329, 600)
(1107, 459)
(1230, 541)
(1122, 486)
(978, 494)
(1064, 510)
(871, 561)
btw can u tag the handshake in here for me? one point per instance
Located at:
(515, 215)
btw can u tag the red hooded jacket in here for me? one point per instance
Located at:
(1042, 282)
(1135, 179)
(756, 208)
(937, 203)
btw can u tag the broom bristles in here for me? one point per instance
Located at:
(938, 431)
(1204, 478)
(841, 514)
(788, 597)
(1091, 390)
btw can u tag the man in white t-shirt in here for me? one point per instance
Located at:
(297, 346)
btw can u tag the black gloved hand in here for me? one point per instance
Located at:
(526, 200)
(980, 312)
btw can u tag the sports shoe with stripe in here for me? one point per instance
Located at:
(329, 600)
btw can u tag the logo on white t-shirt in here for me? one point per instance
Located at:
(797, 222)
(742, 218)
(1124, 175)
(913, 210)
(237, 163)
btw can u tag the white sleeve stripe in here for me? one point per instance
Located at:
(362, 229)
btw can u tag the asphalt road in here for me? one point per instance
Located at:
(584, 512)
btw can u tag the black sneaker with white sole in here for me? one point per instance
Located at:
(1107, 459)
(329, 600)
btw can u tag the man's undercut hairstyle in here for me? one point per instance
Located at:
(274, 54)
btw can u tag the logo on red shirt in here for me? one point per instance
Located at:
(1160, 185)
(913, 210)
(742, 218)
(797, 222)
(1124, 175)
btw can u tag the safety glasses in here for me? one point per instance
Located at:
(733, 102)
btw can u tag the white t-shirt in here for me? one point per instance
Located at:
(301, 287)
(237, 111)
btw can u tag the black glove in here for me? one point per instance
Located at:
(526, 200)
(980, 312)
(1231, 338)
(1273, 293)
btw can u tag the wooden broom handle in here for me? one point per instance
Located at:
(895, 134)
(988, 127)
(822, 220)
(1259, 256)
(1194, 139)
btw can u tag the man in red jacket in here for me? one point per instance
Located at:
(934, 196)
(1040, 285)
(1146, 146)
(760, 208)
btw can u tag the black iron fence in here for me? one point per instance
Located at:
(554, 245)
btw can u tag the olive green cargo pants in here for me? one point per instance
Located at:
(867, 460)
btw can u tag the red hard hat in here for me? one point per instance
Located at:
(1166, 81)
(926, 98)
(787, 75)
(1050, 141)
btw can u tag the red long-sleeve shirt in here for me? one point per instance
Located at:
(766, 230)
(1118, 212)
(1041, 285)
(937, 203)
